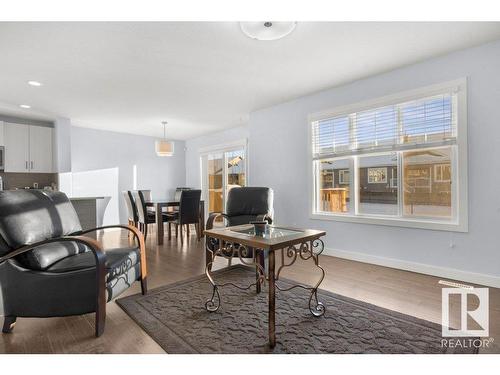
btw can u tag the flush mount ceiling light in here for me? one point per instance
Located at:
(162, 146)
(34, 83)
(267, 30)
(25, 106)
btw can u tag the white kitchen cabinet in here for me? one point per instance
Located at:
(17, 148)
(28, 148)
(40, 142)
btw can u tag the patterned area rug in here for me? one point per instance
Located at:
(175, 317)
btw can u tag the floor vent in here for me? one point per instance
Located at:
(454, 284)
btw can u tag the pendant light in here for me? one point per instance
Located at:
(162, 146)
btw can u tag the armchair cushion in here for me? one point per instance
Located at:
(123, 267)
(43, 257)
(118, 262)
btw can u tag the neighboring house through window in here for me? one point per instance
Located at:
(400, 160)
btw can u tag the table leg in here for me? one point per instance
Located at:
(259, 258)
(201, 228)
(272, 301)
(159, 225)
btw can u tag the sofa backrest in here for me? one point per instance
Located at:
(29, 216)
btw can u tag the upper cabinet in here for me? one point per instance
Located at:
(41, 149)
(16, 138)
(28, 148)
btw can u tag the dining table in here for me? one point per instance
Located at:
(159, 204)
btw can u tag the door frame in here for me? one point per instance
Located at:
(220, 148)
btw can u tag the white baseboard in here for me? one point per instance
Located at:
(448, 273)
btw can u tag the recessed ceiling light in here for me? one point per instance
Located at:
(34, 83)
(267, 30)
(25, 106)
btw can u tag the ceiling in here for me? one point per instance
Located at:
(200, 76)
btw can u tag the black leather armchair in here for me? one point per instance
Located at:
(49, 268)
(244, 204)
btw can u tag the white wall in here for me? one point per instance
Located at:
(101, 153)
(62, 145)
(194, 145)
(280, 135)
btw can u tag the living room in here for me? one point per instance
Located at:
(298, 187)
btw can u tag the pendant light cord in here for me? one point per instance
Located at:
(164, 130)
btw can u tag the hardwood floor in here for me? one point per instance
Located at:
(409, 293)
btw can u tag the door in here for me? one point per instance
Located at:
(16, 147)
(215, 188)
(40, 149)
(221, 171)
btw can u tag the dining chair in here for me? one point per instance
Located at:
(189, 213)
(146, 217)
(178, 192)
(131, 208)
(177, 198)
(148, 197)
(146, 194)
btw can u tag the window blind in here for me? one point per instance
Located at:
(429, 121)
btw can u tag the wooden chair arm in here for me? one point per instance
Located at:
(138, 236)
(212, 217)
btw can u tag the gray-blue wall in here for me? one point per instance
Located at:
(97, 150)
(279, 158)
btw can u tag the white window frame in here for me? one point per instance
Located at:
(342, 180)
(393, 185)
(459, 171)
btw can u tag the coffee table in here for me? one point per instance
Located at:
(289, 243)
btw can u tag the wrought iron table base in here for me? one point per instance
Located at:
(250, 257)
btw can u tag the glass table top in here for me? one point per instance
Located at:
(270, 232)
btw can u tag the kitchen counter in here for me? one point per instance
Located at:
(90, 210)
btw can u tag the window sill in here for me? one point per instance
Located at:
(395, 222)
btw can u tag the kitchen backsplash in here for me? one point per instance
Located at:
(13, 181)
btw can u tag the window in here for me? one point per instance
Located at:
(442, 172)
(334, 194)
(398, 160)
(377, 175)
(344, 177)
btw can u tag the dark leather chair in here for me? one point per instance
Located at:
(178, 192)
(145, 216)
(189, 213)
(133, 216)
(49, 268)
(177, 198)
(244, 204)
